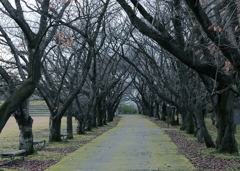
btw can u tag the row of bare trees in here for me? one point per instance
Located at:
(198, 44)
(60, 51)
(184, 53)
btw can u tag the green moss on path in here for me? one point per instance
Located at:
(134, 144)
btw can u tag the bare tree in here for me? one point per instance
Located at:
(161, 32)
(36, 43)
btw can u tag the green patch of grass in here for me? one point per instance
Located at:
(43, 155)
(225, 155)
(213, 152)
(58, 144)
(84, 137)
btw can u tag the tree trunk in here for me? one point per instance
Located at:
(207, 138)
(184, 116)
(69, 122)
(139, 108)
(104, 116)
(55, 129)
(226, 142)
(164, 112)
(94, 115)
(110, 114)
(69, 125)
(150, 111)
(201, 131)
(99, 113)
(200, 110)
(26, 136)
(25, 122)
(157, 115)
(174, 117)
(190, 123)
(89, 122)
(80, 127)
(104, 112)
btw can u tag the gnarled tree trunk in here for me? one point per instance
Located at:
(25, 122)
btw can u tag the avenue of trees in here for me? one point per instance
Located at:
(172, 58)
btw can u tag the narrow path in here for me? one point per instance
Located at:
(135, 144)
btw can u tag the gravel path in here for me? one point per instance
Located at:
(134, 144)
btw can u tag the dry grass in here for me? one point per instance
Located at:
(9, 137)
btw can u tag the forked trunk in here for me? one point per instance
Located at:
(202, 132)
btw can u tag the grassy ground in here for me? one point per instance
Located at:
(10, 133)
(52, 152)
(201, 157)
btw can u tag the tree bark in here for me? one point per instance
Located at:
(110, 114)
(190, 123)
(226, 142)
(89, 122)
(104, 111)
(22, 117)
(80, 127)
(184, 115)
(99, 112)
(55, 129)
(201, 130)
(25, 122)
(164, 112)
(69, 124)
